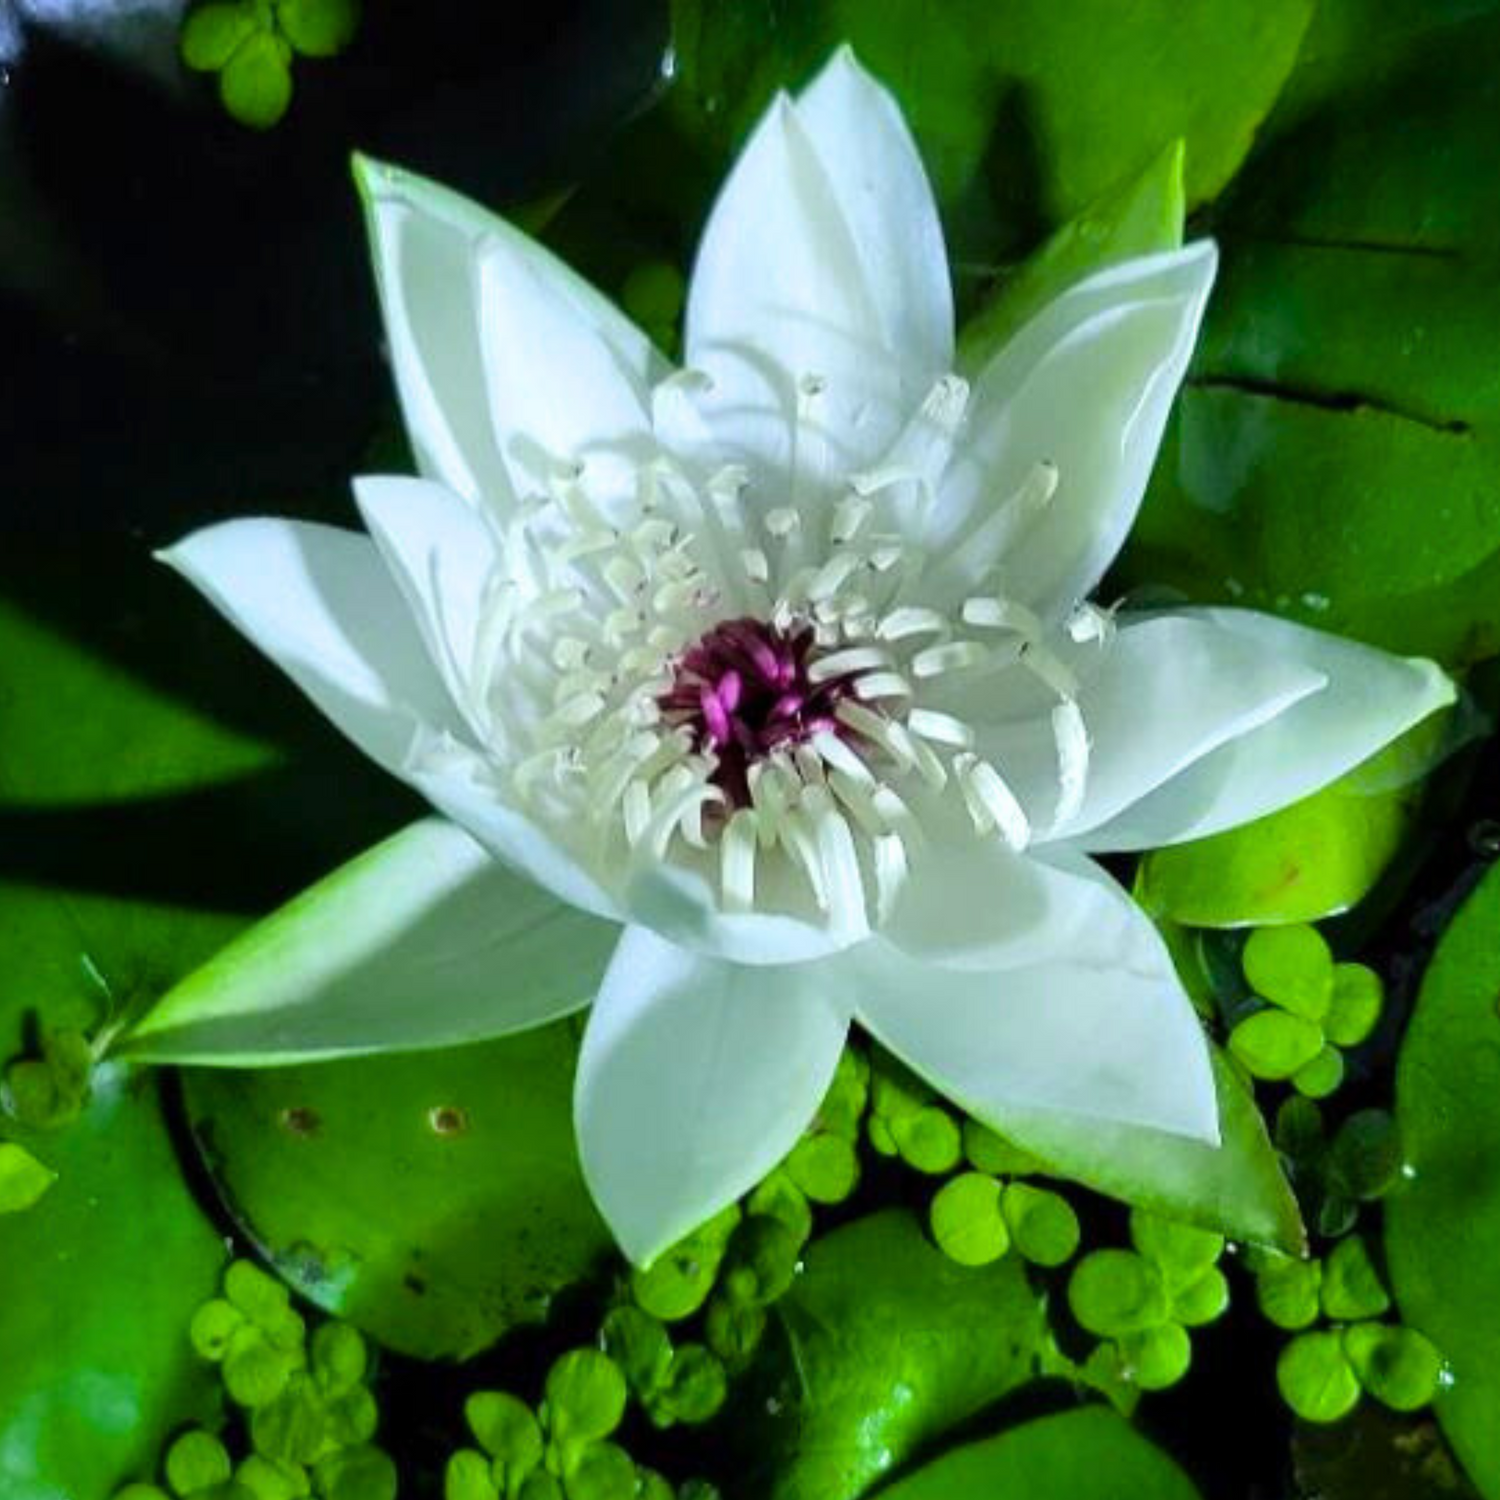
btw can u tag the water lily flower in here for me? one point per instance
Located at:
(782, 662)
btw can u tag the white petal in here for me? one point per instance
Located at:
(1371, 698)
(320, 603)
(1114, 1040)
(861, 137)
(695, 1079)
(973, 903)
(425, 240)
(424, 941)
(1086, 385)
(458, 782)
(442, 553)
(562, 391)
(682, 905)
(1163, 692)
(810, 273)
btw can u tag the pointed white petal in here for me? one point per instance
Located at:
(320, 603)
(973, 903)
(425, 240)
(561, 391)
(1162, 693)
(1086, 385)
(872, 165)
(442, 553)
(695, 1079)
(1371, 698)
(801, 330)
(424, 941)
(1114, 1040)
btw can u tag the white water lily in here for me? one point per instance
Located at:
(783, 661)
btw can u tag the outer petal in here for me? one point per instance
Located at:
(695, 1079)
(1163, 693)
(1107, 1038)
(425, 240)
(443, 553)
(973, 903)
(1086, 385)
(1371, 698)
(820, 269)
(425, 941)
(319, 602)
(564, 393)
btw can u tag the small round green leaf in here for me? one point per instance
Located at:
(825, 1167)
(23, 1179)
(506, 1429)
(1182, 1251)
(586, 1396)
(778, 1197)
(1156, 1358)
(1291, 967)
(1316, 1378)
(1352, 1288)
(733, 1330)
(1201, 1301)
(928, 1140)
(1115, 1292)
(213, 1326)
(1322, 1076)
(196, 1461)
(340, 1358)
(761, 1260)
(467, 1477)
(255, 1373)
(1288, 1291)
(603, 1471)
(1367, 1158)
(1274, 1044)
(265, 1479)
(318, 28)
(352, 1418)
(696, 1385)
(639, 1345)
(363, 1473)
(256, 83)
(294, 1428)
(967, 1222)
(1397, 1366)
(1042, 1224)
(211, 34)
(678, 1282)
(261, 1298)
(1358, 996)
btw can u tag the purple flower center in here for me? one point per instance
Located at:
(744, 693)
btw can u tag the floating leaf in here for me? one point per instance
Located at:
(586, 1396)
(318, 28)
(1156, 1358)
(197, 1461)
(1442, 1230)
(1291, 967)
(1316, 1378)
(1398, 1366)
(1352, 1288)
(1115, 1292)
(1273, 1044)
(1358, 996)
(1289, 1291)
(1087, 1454)
(966, 1220)
(211, 33)
(302, 1157)
(1043, 1226)
(851, 1401)
(256, 83)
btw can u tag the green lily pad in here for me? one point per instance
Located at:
(494, 1218)
(95, 1368)
(1090, 1454)
(1300, 392)
(1236, 1188)
(1442, 1230)
(882, 1345)
(994, 94)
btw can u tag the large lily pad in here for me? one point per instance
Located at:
(1335, 453)
(1090, 1454)
(1443, 1227)
(1025, 111)
(886, 1345)
(433, 1200)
